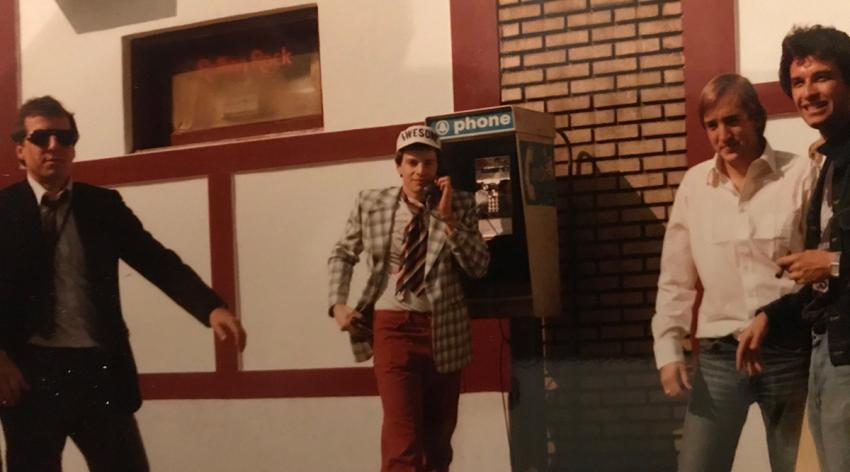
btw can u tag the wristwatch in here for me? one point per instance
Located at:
(834, 265)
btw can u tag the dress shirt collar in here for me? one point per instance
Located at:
(410, 200)
(39, 189)
(766, 163)
(814, 152)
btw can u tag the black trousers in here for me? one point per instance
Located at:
(72, 394)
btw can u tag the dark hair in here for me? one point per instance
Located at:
(415, 147)
(733, 85)
(821, 42)
(46, 106)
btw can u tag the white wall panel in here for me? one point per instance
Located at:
(164, 337)
(790, 133)
(387, 62)
(762, 26)
(286, 223)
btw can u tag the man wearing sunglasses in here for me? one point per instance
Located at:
(66, 367)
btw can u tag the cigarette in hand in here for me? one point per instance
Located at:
(781, 270)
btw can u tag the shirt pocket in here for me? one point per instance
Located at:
(727, 227)
(787, 233)
(768, 234)
(771, 234)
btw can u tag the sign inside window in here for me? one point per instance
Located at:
(228, 90)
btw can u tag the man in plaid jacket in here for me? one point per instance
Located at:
(412, 315)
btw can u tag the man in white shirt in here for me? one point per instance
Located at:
(733, 217)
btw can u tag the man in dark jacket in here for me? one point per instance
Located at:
(815, 72)
(66, 367)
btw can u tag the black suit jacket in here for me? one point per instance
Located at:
(108, 231)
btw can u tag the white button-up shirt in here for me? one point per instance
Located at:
(729, 241)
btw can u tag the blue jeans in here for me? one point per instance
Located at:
(722, 396)
(829, 408)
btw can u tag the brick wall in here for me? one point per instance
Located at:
(611, 73)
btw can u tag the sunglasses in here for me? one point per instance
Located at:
(41, 137)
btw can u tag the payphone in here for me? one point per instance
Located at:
(505, 156)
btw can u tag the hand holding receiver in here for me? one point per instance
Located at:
(432, 195)
(444, 205)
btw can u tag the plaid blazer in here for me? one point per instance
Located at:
(369, 227)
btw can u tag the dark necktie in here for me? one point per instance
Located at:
(50, 210)
(54, 215)
(414, 247)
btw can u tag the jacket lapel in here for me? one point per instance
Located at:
(29, 216)
(380, 220)
(80, 208)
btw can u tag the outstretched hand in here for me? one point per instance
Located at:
(226, 326)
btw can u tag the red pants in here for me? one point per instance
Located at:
(420, 404)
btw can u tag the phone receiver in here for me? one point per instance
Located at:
(433, 194)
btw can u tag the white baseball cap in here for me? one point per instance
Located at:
(417, 134)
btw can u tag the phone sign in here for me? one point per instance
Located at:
(474, 124)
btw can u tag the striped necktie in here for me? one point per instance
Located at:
(413, 249)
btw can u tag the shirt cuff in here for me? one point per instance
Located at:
(667, 351)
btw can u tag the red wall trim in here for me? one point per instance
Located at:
(703, 21)
(242, 156)
(8, 83)
(475, 54)
(341, 382)
(490, 370)
(774, 99)
(223, 259)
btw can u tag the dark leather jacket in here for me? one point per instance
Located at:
(792, 316)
